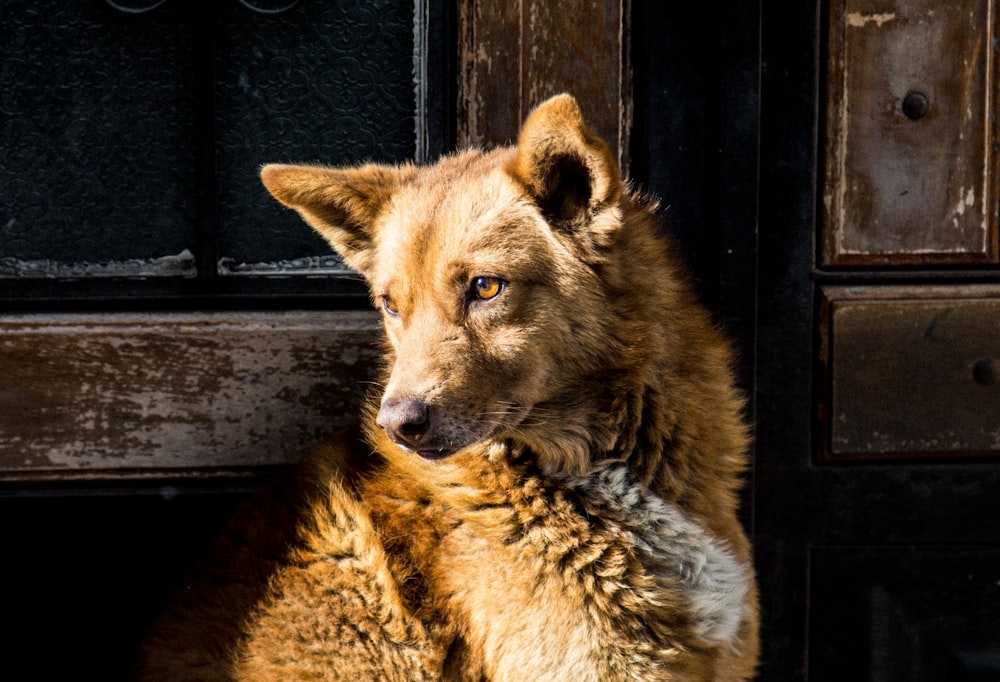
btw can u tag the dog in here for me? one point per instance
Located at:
(547, 483)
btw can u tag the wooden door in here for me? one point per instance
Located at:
(878, 342)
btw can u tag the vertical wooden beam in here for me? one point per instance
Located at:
(514, 55)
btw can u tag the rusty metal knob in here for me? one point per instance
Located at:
(916, 105)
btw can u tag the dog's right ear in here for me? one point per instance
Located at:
(341, 204)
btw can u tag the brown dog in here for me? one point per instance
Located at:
(552, 490)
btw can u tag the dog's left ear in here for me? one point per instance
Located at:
(566, 168)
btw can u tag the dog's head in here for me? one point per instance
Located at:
(487, 269)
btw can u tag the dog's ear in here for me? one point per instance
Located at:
(340, 204)
(566, 168)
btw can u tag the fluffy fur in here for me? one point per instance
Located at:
(548, 485)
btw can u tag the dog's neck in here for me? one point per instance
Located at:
(666, 405)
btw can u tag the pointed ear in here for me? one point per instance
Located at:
(340, 204)
(567, 170)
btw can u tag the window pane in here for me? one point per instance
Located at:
(98, 171)
(327, 82)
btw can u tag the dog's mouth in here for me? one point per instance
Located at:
(429, 453)
(434, 455)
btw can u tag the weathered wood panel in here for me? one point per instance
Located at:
(135, 393)
(514, 55)
(912, 373)
(910, 166)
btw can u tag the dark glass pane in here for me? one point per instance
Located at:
(327, 82)
(98, 165)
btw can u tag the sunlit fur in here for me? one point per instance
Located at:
(574, 514)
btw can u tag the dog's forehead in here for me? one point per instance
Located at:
(461, 187)
(455, 211)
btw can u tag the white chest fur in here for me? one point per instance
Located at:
(676, 549)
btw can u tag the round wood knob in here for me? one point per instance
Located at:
(986, 372)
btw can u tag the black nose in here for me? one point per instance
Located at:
(404, 419)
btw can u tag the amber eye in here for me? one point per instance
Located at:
(389, 306)
(486, 288)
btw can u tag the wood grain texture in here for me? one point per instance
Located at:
(905, 184)
(514, 55)
(176, 392)
(911, 372)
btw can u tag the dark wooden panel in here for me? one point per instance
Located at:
(514, 55)
(86, 394)
(905, 614)
(916, 376)
(909, 160)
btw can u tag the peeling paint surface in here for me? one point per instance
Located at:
(178, 391)
(858, 20)
(909, 188)
(178, 265)
(330, 264)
